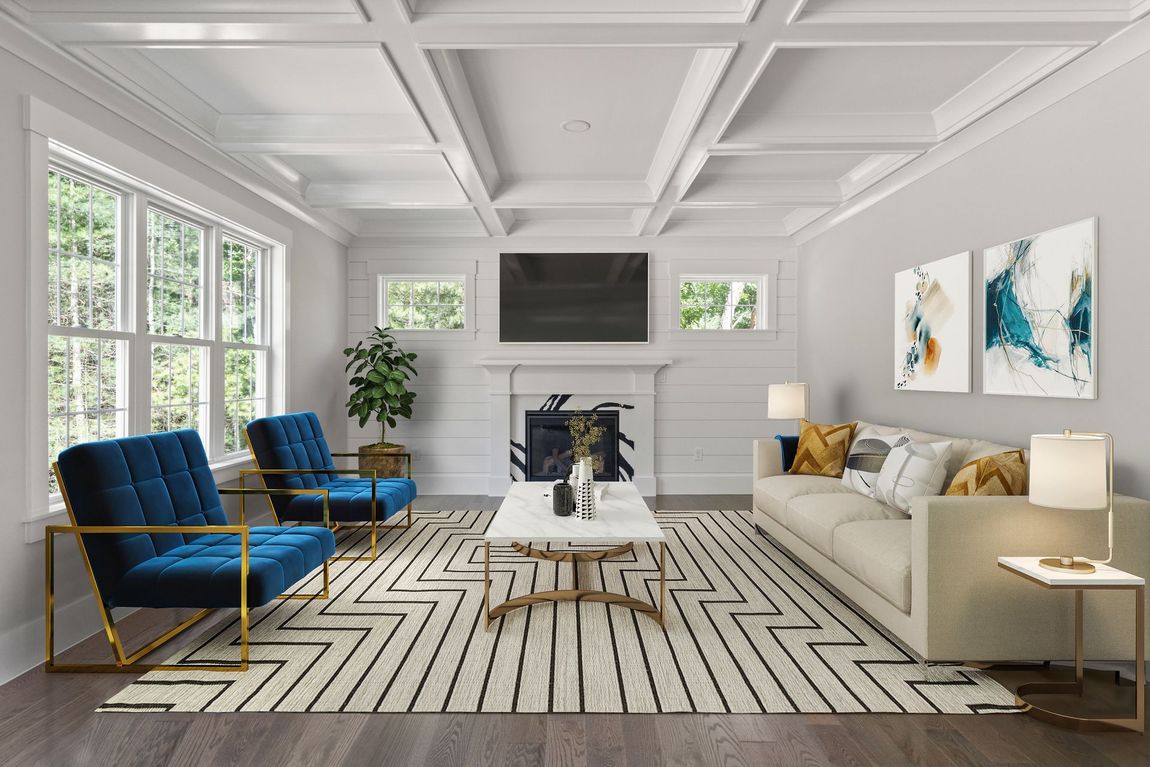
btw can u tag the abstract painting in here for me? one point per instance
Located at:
(932, 326)
(1040, 314)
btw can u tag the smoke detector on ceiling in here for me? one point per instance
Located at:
(576, 126)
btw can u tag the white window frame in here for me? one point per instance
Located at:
(765, 272)
(136, 199)
(411, 271)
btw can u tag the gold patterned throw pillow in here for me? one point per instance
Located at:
(1000, 474)
(822, 449)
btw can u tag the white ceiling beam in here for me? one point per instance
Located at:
(153, 34)
(956, 34)
(700, 83)
(755, 50)
(717, 190)
(568, 194)
(392, 194)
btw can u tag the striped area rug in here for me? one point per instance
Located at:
(749, 630)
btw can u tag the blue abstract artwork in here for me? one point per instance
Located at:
(1040, 314)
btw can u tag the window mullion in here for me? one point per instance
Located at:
(139, 349)
(212, 379)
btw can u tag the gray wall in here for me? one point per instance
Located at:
(1085, 156)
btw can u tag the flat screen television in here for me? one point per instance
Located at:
(573, 298)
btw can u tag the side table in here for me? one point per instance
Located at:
(1105, 578)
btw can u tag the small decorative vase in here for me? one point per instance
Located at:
(585, 490)
(562, 499)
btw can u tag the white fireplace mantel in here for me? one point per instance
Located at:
(635, 378)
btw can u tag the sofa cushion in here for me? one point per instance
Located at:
(350, 501)
(911, 471)
(962, 450)
(814, 518)
(772, 494)
(877, 552)
(999, 474)
(867, 455)
(206, 571)
(822, 449)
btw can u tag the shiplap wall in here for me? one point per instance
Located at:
(712, 398)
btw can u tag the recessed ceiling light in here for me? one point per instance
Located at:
(576, 126)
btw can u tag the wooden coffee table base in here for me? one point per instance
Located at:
(574, 594)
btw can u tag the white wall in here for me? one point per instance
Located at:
(713, 397)
(1085, 156)
(316, 330)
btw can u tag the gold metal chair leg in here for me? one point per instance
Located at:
(323, 594)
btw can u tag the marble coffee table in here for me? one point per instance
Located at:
(525, 522)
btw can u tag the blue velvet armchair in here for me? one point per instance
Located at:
(290, 452)
(152, 532)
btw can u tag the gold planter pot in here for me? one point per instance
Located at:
(387, 461)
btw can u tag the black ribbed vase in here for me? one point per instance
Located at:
(562, 499)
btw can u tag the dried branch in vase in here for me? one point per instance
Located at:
(585, 434)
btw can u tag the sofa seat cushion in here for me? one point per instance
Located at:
(772, 494)
(205, 572)
(350, 500)
(814, 518)
(877, 552)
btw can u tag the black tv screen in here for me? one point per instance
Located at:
(573, 298)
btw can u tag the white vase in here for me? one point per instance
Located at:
(584, 489)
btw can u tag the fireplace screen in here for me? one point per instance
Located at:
(548, 448)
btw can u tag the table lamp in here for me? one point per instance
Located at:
(786, 401)
(1073, 470)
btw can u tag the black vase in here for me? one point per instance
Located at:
(562, 499)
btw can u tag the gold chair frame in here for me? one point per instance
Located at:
(366, 473)
(126, 662)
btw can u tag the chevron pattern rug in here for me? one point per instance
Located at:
(749, 630)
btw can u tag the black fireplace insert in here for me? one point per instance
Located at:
(548, 446)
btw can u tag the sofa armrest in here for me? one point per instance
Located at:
(768, 458)
(978, 611)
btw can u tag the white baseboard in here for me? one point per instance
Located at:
(22, 647)
(705, 484)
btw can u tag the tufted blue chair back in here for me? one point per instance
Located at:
(291, 441)
(156, 479)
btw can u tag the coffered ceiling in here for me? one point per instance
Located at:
(563, 117)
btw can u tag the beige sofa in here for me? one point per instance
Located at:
(932, 578)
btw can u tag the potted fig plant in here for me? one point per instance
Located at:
(380, 372)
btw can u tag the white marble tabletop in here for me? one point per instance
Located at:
(525, 516)
(1103, 575)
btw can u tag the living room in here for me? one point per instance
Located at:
(588, 382)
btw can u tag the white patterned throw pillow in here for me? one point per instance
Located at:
(866, 458)
(911, 470)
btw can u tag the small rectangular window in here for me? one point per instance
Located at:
(412, 303)
(720, 303)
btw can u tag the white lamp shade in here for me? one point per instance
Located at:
(1068, 471)
(787, 401)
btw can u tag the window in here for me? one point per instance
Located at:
(192, 330)
(86, 372)
(720, 303)
(412, 303)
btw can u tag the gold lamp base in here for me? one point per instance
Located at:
(1066, 565)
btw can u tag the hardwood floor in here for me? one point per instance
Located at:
(48, 719)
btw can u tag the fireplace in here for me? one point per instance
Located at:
(548, 446)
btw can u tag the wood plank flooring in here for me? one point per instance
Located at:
(48, 719)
